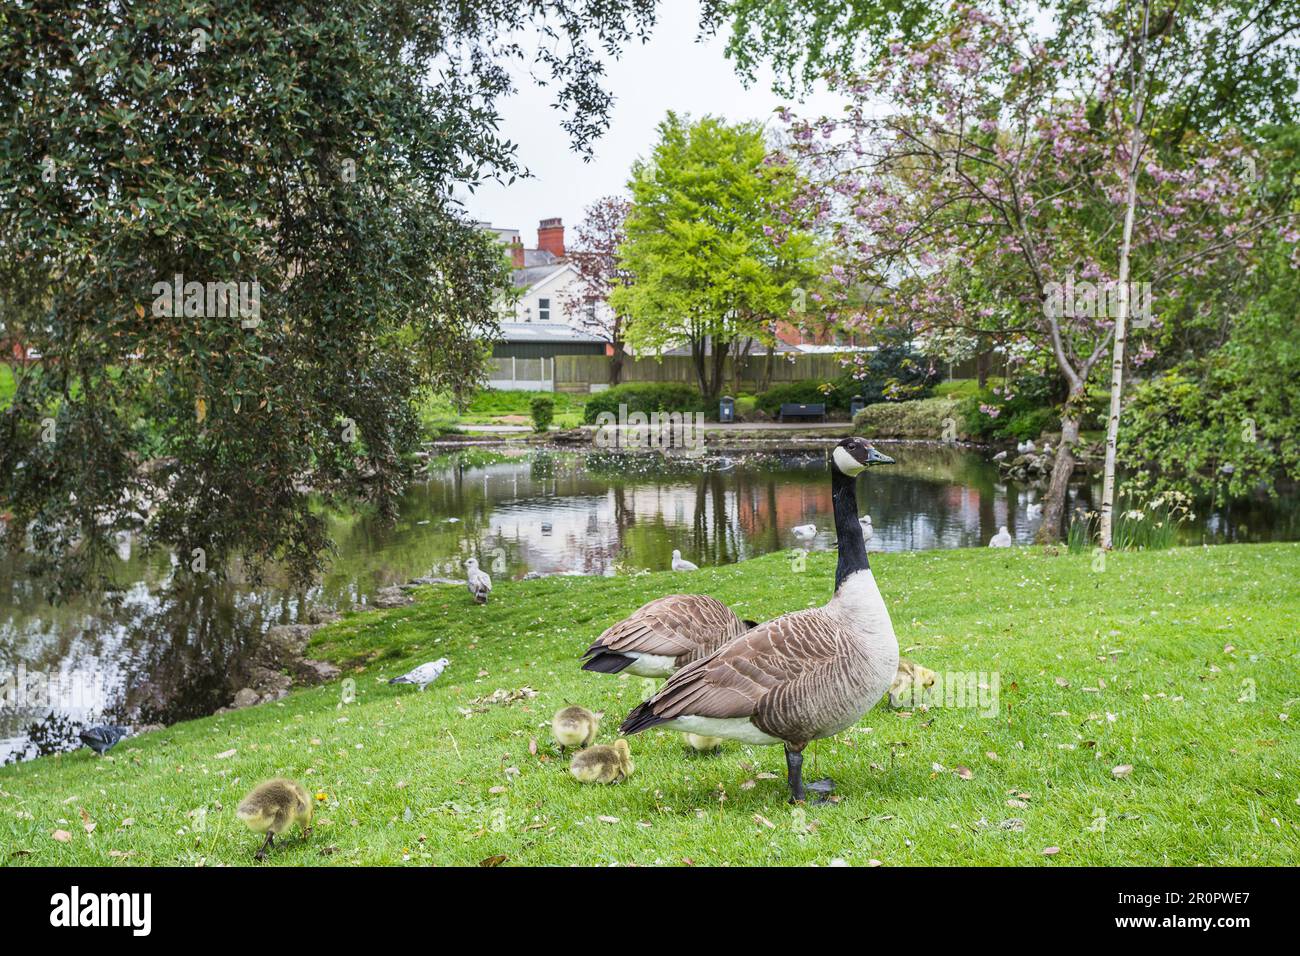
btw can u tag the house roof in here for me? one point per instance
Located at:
(530, 276)
(554, 332)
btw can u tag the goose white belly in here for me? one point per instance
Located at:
(649, 665)
(732, 728)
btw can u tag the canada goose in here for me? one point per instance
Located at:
(104, 737)
(575, 727)
(910, 683)
(1034, 511)
(804, 676)
(602, 763)
(663, 636)
(681, 564)
(424, 675)
(805, 532)
(703, 744)
(274, 806)
(478, 582)
(1000, 540)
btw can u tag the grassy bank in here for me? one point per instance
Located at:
(1177, 663)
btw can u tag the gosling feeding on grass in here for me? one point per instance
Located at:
(910, 683)
(602, 763)
(274, 806)
(575, 727)
(703, 744)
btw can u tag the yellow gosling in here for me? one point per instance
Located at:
(602, 763)
(274, 806)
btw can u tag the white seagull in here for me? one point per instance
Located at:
(805, 531)
(681, 564)
(1034, 511)
(424, 675)
(478, 583)
(1025, 447)
(1000, 455)
(1000, 540)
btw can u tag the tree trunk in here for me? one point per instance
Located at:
(767, 369)
(1058, 487)
(616, 363)
(1122, 312)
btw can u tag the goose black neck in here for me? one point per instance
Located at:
(848, 530)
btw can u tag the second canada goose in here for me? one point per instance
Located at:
(663, 636)
(681, 564)
(805, 675)
(1002, 539)
(477, 581)
(274, 806)
(575, 727)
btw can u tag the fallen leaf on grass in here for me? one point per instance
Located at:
(964, 772)
(607, 819)
(494, 860)
(1017, 804)
(1123, 770)
(63, 836)
(1051, 850)
(227, 753)
(764, 821)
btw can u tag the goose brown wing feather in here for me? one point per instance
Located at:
(673, 626)
(735, 680)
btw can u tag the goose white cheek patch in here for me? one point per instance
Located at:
(847, 463)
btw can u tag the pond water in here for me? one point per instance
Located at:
(164, 654)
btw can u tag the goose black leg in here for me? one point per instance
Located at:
(794, 773)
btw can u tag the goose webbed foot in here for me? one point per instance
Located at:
(822, 790)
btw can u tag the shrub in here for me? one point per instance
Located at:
(924, 418)
(647, 397)
(543, 411)
(1023, 408)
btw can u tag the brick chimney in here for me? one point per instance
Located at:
(517, 253)
(550, 237)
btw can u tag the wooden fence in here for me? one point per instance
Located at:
(577, 373)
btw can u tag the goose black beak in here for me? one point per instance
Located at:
(877, 458)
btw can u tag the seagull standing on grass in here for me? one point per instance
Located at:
(479, 584)
(681, 564)
(424, 675)
(1000, 540)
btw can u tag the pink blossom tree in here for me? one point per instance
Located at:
(981, 179)
(595, 256)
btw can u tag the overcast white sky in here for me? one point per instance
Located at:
(670, 72)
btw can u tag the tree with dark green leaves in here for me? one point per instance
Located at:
(228, 233)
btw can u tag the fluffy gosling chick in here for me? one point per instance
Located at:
(602, 763)
(274, 806)
(575, 727)
(910, 683)
(701, 743)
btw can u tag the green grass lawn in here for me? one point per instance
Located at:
(1178, 663)
(493, 407)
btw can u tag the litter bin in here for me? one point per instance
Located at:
(856, 404)
(727, 409)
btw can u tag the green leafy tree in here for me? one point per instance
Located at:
(716, 244)
(301, 154)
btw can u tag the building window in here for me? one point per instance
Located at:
(544, 310)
